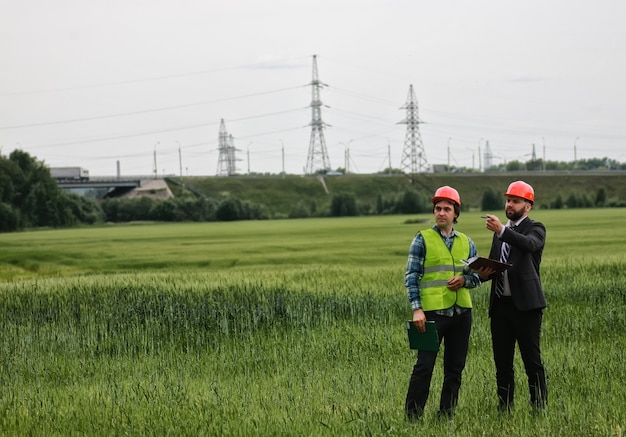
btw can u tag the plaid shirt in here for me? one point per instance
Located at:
(415, 271)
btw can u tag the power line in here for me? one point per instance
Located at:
(146, 111)
(160, 131)
(132, 81)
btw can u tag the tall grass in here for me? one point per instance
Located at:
(287, 348)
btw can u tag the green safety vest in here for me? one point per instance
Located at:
(440, 265)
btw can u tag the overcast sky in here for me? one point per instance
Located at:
(92, 83)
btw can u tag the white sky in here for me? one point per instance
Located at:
(89, 83)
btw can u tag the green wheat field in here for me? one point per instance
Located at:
(287, 328)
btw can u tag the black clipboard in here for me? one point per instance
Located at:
(426, 341)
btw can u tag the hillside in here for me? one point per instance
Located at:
(281, 194)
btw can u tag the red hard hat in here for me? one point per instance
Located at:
(447, 193)
(521, 189)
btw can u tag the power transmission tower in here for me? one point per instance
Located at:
(488, 159)
(317, 158)
(226, 163)
(413, 155)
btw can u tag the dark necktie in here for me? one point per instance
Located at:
(505, 250)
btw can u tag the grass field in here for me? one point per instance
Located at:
(288, 327)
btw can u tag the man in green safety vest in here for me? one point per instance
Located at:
(437, 284)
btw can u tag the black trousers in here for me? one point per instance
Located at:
(454, 332)
(508, 326)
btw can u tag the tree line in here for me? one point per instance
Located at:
(30, 198)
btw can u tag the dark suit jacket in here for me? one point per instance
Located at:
(527, 242)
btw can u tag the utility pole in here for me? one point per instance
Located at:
(155, 161)
(248, 156)
(389, 156)
(180, 161)
(283, 157)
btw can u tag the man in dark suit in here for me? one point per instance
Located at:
(517, 301)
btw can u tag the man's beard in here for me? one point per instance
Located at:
(514, 215)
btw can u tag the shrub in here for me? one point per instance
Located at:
(491, 200)
(343, 205)
(299, 210)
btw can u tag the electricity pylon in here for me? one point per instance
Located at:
(227, 161)
(317, 158)
(413, 155)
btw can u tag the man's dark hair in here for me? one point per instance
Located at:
(457, 209)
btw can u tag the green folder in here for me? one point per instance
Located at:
(426, 341)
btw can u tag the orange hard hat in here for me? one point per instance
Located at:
(447, 193)
(521, 189)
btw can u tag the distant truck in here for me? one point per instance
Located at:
(69, 173)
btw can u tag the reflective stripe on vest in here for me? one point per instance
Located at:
(440, 265)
